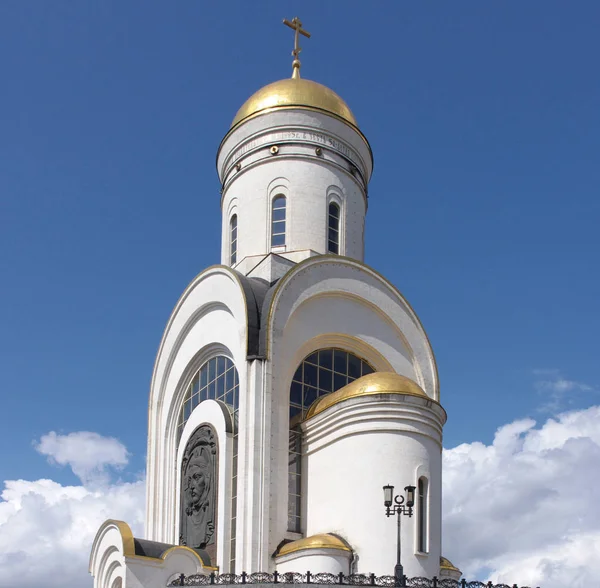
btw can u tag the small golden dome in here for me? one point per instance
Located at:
(322, 541)
(295, 93)
(446, 564)
(375, 383)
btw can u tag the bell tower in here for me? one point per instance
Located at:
(294, 169)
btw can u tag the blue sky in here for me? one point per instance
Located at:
(484, 119)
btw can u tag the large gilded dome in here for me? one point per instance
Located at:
(295, 92)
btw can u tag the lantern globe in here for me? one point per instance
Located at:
(410, 495)
(388, 493)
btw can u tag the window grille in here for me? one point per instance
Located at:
(333, 233)
(233, 240)
(278, 217)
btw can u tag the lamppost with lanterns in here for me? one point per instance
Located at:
(398, 505)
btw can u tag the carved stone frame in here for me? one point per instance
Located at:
(204, 436)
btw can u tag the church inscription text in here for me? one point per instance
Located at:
(299, 136)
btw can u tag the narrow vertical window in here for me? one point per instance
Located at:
(422, 515)
(295, 480)
(333, 233)
(233, 240)
(278, 221)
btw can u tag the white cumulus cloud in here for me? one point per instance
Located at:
(87, 454)
(47, 529)
(521, 510)
(524, 509)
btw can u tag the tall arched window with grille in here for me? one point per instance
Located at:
(322, 372)
(278, 217)
(217, 379)
(333, 231)
(422, 515)
(233, 240)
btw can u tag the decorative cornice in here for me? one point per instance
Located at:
(393, 412)
(290, 135)
(269, 111)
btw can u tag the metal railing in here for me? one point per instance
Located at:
(330, 579)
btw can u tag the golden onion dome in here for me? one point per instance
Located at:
(369, 385)
(322, 541)
(295, 92)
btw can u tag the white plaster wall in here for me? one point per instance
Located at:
(352, 451)
(209, 320)
(252, 175)
(107, 561)
(342, 313)
(316, 561)
(156, 573)
(309, 187)
(111, 564)
(380, 316)
(145, 573)
(252, 543)
(211, 412)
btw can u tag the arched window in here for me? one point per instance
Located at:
(422, 515)
(278, 221)
(217, 379)
(321, 373)
(333, 232)
(233, 240)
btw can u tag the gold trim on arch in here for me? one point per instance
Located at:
(126, 536)
(344, 342)
(129, 545)
(164, 554)
(363, 301)
(153, 397)
(176, 309)
(335, 258)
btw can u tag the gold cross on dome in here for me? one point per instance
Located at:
(297, 26)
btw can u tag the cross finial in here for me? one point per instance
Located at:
(297, 26)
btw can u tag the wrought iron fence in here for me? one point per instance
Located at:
(331, 579)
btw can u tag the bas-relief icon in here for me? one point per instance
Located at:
(199, 489)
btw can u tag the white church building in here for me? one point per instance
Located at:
(292, 381)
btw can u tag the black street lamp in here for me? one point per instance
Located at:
(396, 505)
